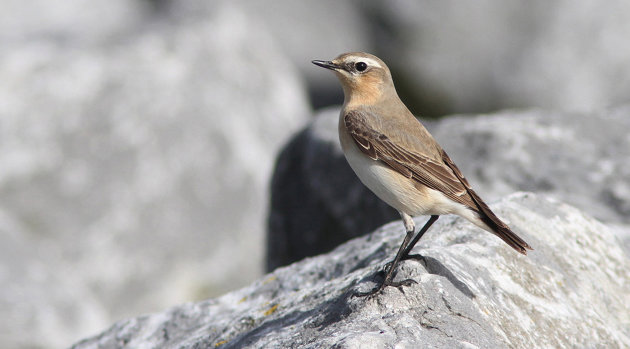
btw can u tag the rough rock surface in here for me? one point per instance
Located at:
(472, 290)
(580, 158)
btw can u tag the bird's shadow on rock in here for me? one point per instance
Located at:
(432, 265)
(436, 267)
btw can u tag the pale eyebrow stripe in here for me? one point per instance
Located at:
(370, 62)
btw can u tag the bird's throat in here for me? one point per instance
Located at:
(365, 95)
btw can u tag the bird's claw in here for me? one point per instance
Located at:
(398, 284)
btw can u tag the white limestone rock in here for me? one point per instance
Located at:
(472, 291)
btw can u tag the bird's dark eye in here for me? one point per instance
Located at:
(360, 66)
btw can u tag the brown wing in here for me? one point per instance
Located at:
(443, 176)
(414, 165)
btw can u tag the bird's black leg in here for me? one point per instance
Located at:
(415, 240)
(389, 276)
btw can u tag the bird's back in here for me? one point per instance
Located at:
(396, 122)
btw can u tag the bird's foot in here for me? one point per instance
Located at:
(398, 284)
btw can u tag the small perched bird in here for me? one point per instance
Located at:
(397, 158)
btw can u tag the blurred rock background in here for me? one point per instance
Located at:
(138, 137)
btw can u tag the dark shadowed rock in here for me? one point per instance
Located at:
(472, 290)
(583, 159)
(317, 202)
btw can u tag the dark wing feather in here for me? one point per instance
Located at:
(487, 216)
(421, 168)
(443, 175)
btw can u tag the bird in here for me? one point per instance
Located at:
(395, 156)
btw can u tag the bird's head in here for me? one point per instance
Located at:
(365, 78)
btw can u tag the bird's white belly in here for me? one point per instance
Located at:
(397, 190)
(390, 186)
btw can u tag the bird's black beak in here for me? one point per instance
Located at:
(326, 64)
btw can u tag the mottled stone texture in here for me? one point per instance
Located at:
(472, 290)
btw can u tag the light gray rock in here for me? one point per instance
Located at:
(139, 163)
(318, 30)
(70, 22)
(35, 298)
(580, 158)
(472, 290)
(304, 31)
